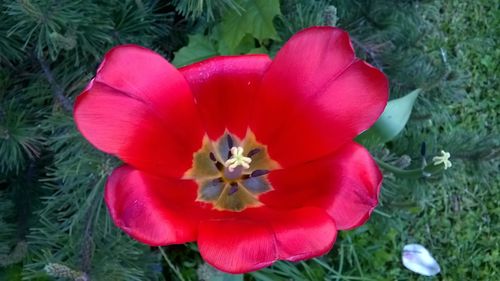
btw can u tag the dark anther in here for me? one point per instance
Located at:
(230, 145)
(253, 152)
(422, 149)
(212, 157)
(229, 141)
(258, 173)
(219, 166)
(233, 188)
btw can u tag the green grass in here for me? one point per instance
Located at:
(460, 220)
(457, 216)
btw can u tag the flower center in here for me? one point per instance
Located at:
(231, 173)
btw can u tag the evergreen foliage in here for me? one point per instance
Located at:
(53, 221)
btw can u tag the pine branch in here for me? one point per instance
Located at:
(86, 250)
(57, 90)
(370, 52)
(23, 199)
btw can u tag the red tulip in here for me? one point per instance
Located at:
(254, 159)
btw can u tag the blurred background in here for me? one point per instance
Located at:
(55, 226)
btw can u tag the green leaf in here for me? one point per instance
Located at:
(199, 48)
(246, 44)
(256, 20)
(392, 121)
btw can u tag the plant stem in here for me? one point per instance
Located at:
(426, 171)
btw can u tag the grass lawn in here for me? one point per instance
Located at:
(456, 217)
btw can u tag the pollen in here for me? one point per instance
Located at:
(237, 159)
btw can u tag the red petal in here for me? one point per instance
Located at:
(258, 237)
(224, 88)
(140, 108)
(303, 234)
(346, 183)
(316, 96)
(236, 246)
(153, 210)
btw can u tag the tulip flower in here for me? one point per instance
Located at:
(252, 158)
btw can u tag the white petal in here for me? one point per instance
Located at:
(418, 259)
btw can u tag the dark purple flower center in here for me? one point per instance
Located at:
(231, 173)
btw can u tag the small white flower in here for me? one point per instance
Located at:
(237, 159)
(443, 159)
(418, 259)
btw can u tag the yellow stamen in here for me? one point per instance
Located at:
(237, 159)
